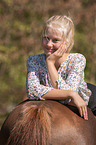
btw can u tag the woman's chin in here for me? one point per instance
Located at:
(48, 53)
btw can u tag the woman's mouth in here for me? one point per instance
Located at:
(50, 50)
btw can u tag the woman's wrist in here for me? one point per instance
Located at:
(72, 94)
(51, 61)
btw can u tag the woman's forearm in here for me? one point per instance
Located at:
(52, 73)
(57, 94)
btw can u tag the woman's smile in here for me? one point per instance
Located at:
(50, 49)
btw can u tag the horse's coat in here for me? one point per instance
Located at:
(47, 123)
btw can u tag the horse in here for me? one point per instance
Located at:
(47, 122)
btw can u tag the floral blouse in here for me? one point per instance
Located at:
(71, 76)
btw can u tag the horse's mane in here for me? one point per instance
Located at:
(33, 126)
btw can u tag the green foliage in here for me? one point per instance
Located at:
(88, 2)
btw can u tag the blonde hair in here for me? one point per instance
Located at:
(63, 24)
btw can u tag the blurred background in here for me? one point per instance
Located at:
(21, 24)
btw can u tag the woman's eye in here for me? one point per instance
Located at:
(55, 40)
(46, 38)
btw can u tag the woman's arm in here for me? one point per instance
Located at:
(50, 60)
(52, 73)
(57, 94)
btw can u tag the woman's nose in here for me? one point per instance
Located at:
(50, 43)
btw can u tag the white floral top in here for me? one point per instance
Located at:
(71, 76)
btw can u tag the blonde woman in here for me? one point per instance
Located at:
(58, 74)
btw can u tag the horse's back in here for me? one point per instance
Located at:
(70, 129)
(66, 127)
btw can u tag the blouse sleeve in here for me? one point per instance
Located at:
(33, 86)
(75, 79)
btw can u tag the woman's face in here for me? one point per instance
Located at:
(51, 41)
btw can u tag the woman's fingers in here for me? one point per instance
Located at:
(83, 112)
(80, 110)
(81, 105)
(58, 53)
(62, 49)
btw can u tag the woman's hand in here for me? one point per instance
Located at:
(58, 53)
(51, 59)
(80, 104)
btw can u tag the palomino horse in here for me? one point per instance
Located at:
(47, 123)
